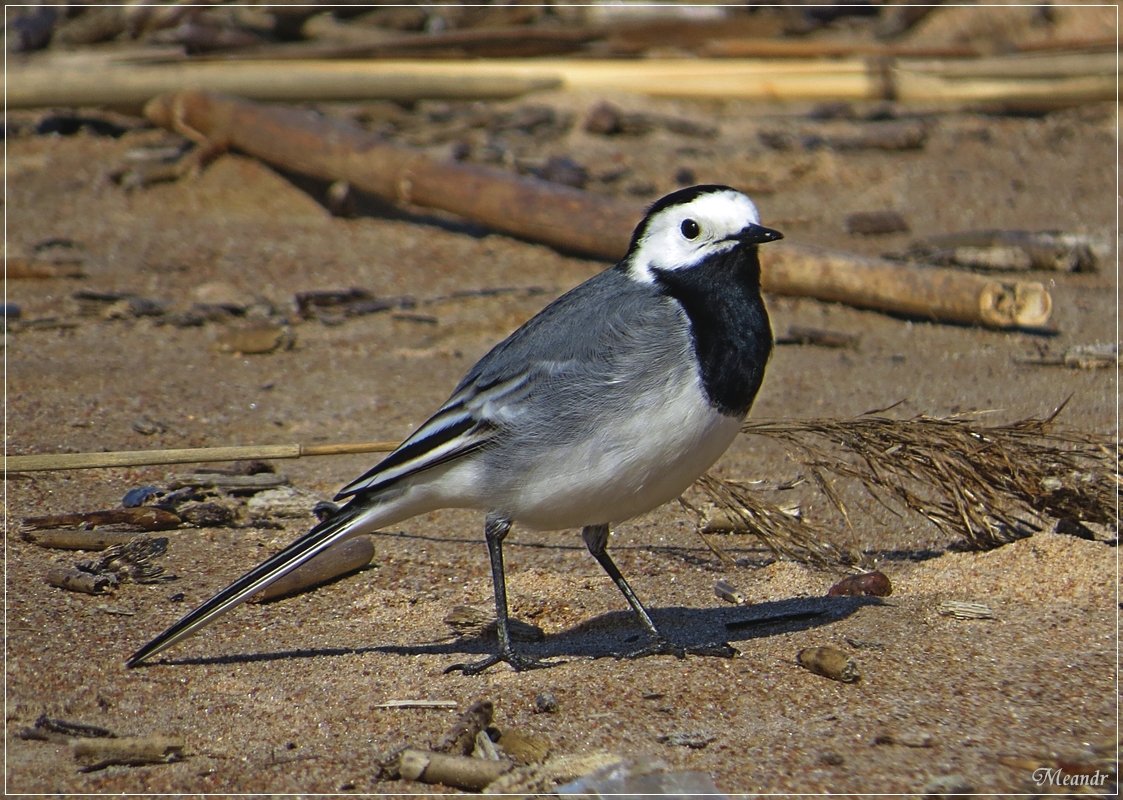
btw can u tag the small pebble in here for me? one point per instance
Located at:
(545, 703)
(132, 307)
(134, 498)
(946, 786)
(604, 119)
(206, 515)
(729, 593)
(146, 426)
(905, 739)
(324, 509)
(523, 747)
(685, 176)
(287, 502)
(874, 223)
(874, 584)
(563, 170)
(254, 339)
(830, 662)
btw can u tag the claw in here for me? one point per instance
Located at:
(518, 664)
(665, 647)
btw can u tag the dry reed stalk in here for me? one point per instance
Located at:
(785, 535)
(191, 455)
(69, 82)
(987, 484)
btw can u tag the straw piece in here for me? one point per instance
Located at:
(129, 87)
(193, 455)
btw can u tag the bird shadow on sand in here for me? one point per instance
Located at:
(608, 635)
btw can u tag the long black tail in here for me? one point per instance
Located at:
(307, 547)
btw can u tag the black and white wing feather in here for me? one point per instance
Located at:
(563, 339)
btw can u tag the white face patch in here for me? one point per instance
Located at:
(681, 236)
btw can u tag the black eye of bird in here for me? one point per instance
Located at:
(690, 229)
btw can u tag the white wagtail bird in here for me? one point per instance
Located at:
(607, 404)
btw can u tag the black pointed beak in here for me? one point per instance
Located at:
(757, 234)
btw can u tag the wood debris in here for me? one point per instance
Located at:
(75, 580)
(50, 729)
(438, 704)
(1008, 251)
(544, 777)
(132, 561)
(130, 519)
(962, 609)
(130, 751)
(77, 538)
(460, 738)
(227, 481)
(336, 562)
(1079, 356)
(799, 334)
(461, 772)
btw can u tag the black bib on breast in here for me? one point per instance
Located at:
(729, 324)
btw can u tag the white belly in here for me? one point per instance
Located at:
(645, 461)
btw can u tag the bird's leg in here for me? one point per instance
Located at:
(596, 539)
(496, 527)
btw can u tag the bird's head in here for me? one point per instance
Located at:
(689, 226)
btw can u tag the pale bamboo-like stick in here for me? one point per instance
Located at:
(1032, 81)
(130, 87)
(1051, 65)
(1027, 92)
(191, 455)
(806, 79)
(918, 291)
(764, 47)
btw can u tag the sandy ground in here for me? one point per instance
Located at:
(284, 697)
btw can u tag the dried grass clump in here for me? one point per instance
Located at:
(785, 534)
(988, 485)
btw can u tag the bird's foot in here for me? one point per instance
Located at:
(518, 664)
(665, 647)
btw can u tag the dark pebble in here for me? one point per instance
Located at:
(868, 584)
(545, 703)
(134, 498)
